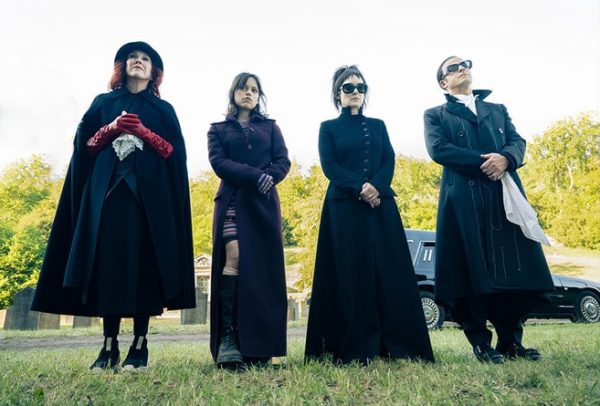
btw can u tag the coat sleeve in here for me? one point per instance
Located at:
(383, 177)
(444, 152)
(514, 149)
(280, 163)
(335, 172)
(230, 171)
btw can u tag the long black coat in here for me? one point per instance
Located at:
(68, 265)
(262, 298)
(478, 251)
(364, 298)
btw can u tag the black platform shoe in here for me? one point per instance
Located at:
(485, 353)
(109, 356)
(137, 357)
(516, 350)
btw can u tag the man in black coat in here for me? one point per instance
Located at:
(486, 269)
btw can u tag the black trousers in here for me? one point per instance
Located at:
(503, 310)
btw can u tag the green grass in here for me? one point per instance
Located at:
(185, 374)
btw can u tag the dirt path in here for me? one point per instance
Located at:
(29, 343)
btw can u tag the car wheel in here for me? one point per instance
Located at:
(434, 313)
(587, 307)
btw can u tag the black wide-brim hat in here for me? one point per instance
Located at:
(124, 51)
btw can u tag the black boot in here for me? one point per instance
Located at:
(229, 355)
(108, 357)
(137, 357)
(485, 353)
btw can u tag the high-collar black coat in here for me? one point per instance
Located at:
(478, 251)
(262, 300)
(364, 299)
(66, 273)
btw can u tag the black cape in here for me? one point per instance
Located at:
(66, 273)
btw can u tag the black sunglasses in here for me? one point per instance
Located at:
(456, 66)
(349, 88)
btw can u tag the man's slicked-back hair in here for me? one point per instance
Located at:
(440, 72)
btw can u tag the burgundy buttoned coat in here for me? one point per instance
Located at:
(262, 300)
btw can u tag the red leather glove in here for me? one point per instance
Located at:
(160, 145)
(110, 131)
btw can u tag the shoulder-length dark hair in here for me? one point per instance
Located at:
(238, 82)
(119, 78)
(339, 77)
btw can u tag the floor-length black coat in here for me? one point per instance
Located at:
(71, 256)
(262, 300)
(478, 251)
(364, 300)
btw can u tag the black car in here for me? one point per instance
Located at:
(574, 298)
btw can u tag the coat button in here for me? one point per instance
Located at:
(365, 129)
(366, 161)
(367, 142)
(363, 123)
(249, 146)
(365, 169)
(471, 182)
(367, 134)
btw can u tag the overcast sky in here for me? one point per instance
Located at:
(540, 57)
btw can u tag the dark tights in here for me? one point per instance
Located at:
(112, 323)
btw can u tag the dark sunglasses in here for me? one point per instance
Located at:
(456, 66)
(349, 88)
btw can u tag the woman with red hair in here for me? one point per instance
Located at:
(121, 242)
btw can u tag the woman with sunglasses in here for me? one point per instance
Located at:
(365, 302)
(249, 309)
(121, 241)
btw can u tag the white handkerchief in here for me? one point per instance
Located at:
(519, 211)
(125, 144)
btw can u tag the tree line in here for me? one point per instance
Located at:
(561, 176)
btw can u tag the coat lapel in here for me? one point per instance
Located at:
(482, 110)
(461, 110)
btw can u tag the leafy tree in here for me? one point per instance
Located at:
(23, 185)
(417, 184)
(308, 205)
(28, 199)
(292, 189)
(562, 178)
(202, 194)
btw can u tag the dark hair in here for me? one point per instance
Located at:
(239, 81)
(119, 78)
(339, 77)
(440, 72)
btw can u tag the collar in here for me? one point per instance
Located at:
(347, 112)
(481, 94)
(253, 117)
(458, 108)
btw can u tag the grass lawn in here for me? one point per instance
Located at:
(183, 373)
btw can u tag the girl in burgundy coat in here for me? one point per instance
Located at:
(247, 151)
